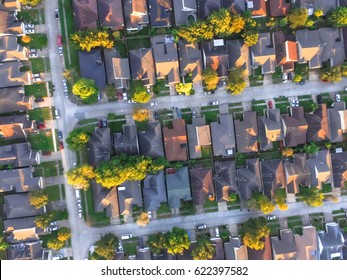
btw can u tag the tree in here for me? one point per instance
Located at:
(318, 13)
(64, 234)
(44, 220)
(106, 246)
(80, 176)
(287, 152)
(141, 96)
(255, 230)
(38, 198)
(232, 197)
(297, 78)
(280, 198)
(261, 202)
(87, 40)
(331, 74)
(143, 219)
(250, 37)
(30, 2)
(54, 243)
(141, 115)
(310, 148)
(3, 244)
(186, 88)
(77, 139)
(26, 39)
(297, 18)
(67, 74)
(204, 249)
(157, 243)
(210, 78)
(177, 241)
(85, 88)
(312, 196)
(236, 81)
(338, 17)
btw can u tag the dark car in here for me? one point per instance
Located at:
(270, 104)
(302, 82)
(319, 99)
(61, 145)
(156, 115)
(100, 123)
(39, 99)
(56, 14)
(60, 135)
(104, 123)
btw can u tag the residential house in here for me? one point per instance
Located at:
(297, 174)
(263, 54)
(160, 13)
(333, 50)
(154, 191)
(175, 141)
(136, 14)
(238, 6)
(85, 14)
(272, 172)
(99, 147)
(234, 249)
(105, 200)
(117, 69)
(311, 5)
(25, 251)
(9, 24)
(190, 60)
(286, 50)
(129, 196)
(21, 230)
(223, 136)
(12, 100)
(166, 58)
(20, 120)
(10, 50)
(337, 119)
(217, 243)
(12, 131)
(225, 180)
(339, 169)
(111, 14)
(11, 5)
(306, 244)
(199, 137)
(93, 60)
(263, 254)
(206, 7)
(247, 133)
(143, 253)
(256, 7)
(184, 11)
(284, 248)
(11, 76)
(270, 129)
(151, 141)
(294, 127)
(18, 206)
(19, 180)
(318, 127)
(215, 56)
(331, 242)
(239, 56)
(249, 179)
(279, 8)
(202, 185)
(18, 155)
(127, 141)
(142, 66)
(320, 168)
(178, 187)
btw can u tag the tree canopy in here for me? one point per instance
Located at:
(210, 78)
(288, 152)
(43, 220)
(157, 243)
(85, 89)
(331, 74)
(280, 198)
(261, 202)
(236, 81)
(141, 96)
(3, 244)
(312, 196)
(64, 234)
(106, 246)
(177, 241)
(338, 17)
(186, 88)
(204, 249)
(30, 2)
(250, 37)
(255, 230)
(141, 115)
(87, 40)
(77, 139)
(80, 176)
(54, 243)
(297, 18)
(38, 198)
(143, 219)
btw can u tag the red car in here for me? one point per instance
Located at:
(59, 40)
(40, 125)
(270, 104)
(120, 96)
(61, 145)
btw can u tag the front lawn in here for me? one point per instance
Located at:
(134, 85)
(54, 192)
(43, 141)
(206, 152)
(282, 104)
(38, 65)
(36, 90)
(48, 169)
(136, 43)
(130, 247)
(93, 218)
(302, 69)
(32, 16)
(277, 76)
(259, 106)
(116, 126)
(210, 116)
(141, 126)
(38, 41)
(40, 114)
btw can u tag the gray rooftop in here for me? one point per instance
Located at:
(117, 69)
(99, 146)
(18, 119)
(206, 7)
(25, 251)
(201, 184)
(11, 76)
(18, 206)
(151, 141)
(247, 133)
(178, 187)
(310, 47)
(270, 129)
(333, 50)
(249, 179)
(225, 179)
(12, 101)
(320, 168)
(127, 142)
(223, 136)
(235, 250)
(337, 119)
(18, 155)
(142, 66)
(160, 13)
(184, 9)
(19, 180)
(135, 13)
(216, 56)
(129, 195)
(111, 14)
(339, 169)
(306, 244)
(105, 200)
(238, 6)
(297, 173)
(154, 191)
(19, 224)
(318, 127)
(9, 23)
(198, 136)
(294, 127)
(85, 14)
(284, 248)
(263, 54)
(10, 50)
(239, 55)
(330, 242)
(272, 176)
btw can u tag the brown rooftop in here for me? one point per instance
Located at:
(175, 141)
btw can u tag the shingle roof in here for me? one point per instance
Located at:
(206, 7)
(12, 101)
(117, 69)
(263, 54)
(297, 173)
(270, 129)
(154, 191)
(198, 136)
(278, 8)
(11, 76)
(239, 55)
(286, 50)
(264, 254)
(135, 13)
(9, 23)
(201, 184)
(129, 194)
(18, 155)
(127, 142)
(151, 141)
(320, 168)
(249, 179)
(184, 9)
(294, 127)
(238, 6)
(272, 176)
(105, 199)
(258, 7)
(142, 66)
(337, 118)
(10, 50)
(333, 49)
(99, 146)
(330, 242)
(175, 141)
(235, 250)
(178, 187)
(85, 14)
(306, 244)
(111, 14)
(216, 56)
(310, 47)
(247, 133)
(318, 128)
(225, 179)
(339, 169)
(18, 206)
(160, 13)
(19, 180)
(25, 251)
(284, 248)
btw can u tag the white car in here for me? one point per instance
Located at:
(120, 246)
(149, 213)
(293, 102)
(338, 97)
(29, 31)
(216, 231)
(58, 257)
(37, 80)
(80, 213)
(64, 84)
(60, 49)
(57, 114)
(270, 217)
(31, 55)
(126, 236)
(214, 103)
(36, 75)
(131, 101)
(29, 25)
(154, 103)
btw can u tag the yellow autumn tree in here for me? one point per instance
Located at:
(87, 40)
(288, 152)
(280, 198)
(26, 39)
(186, 88)
(141, 115)
(141, 96)
(143, 219)
(80, 176)
(255, 230)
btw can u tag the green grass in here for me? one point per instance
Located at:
(31, 16)
(121, 47)
(326, 99)
(282, 104)
(210, 204)
(93, 218)
(187, 116)
(134, 85)
(136, 43)
(40, 114)
(36, 90)
(274, 229)
(206, 152)
(302, 69)
(164, 209)
(259, 109)
(48, 169)
(59, 215)
(111, 93)
(116, 126)
(270, 155)
(89, 128)
(53, 193)
(277, 76)
(211, 116)
(81, 157)
(308, 105)
(87, 121)
(37, 65)
(38, 41)
(240, 159)
(43, 141)
(141, 126)
(326, 188)
(130, 247)
(187, 208)
(256, 80)
(159, 87)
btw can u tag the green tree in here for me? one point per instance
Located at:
(255, 230)
(250, 37)
(236, 81)
(177, 241)
(141, 96)
(77, 139)
(297, 18)
(312, 196)
(143, 219)
(54, 243)
(186, 88)
(204, 249)
(38, 198)
(310, 148)
(80, 176)
(331, 74)
(232, 197)
(3, 244)
(338, 17)
(281, 199)
(106, 246)
(297, 78)
(210, 78)
(157, 243)
(64, 234)
(30, 2)
(85, 89)
(44, 220)
(87, 40)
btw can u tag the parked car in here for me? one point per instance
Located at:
(46, 153)
(338, 97)
(193, 113)
(37, 80)
(58, 257)
(270, 104)
(57, 114)
(21, 90)
(56, 14)
(99, 96)
(120, 246)
(149, 213)
(61, 145)
(214, 103)
(80, 213)
(154, 103)
(104, 123)
(60, 135)
(35, 75)
(64, 84)
(79, 204)
(39, 99)
(40, 125)
(202, 226)
(293, 102)
(216, 231)
(126, 236)
(156, 115)
(54, 223)
(124, 95)
(53, 228)
(130, 101)
(29, 31)
(59, 41)
(271, 217)
(60, 49)
(99, 123)
(66, 93)
(32, 51)
(32, 55)
(28, 25)
(78, 194)
(119, 96)
(297, 102)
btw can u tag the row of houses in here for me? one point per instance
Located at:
(136, 14)
(310, 245)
